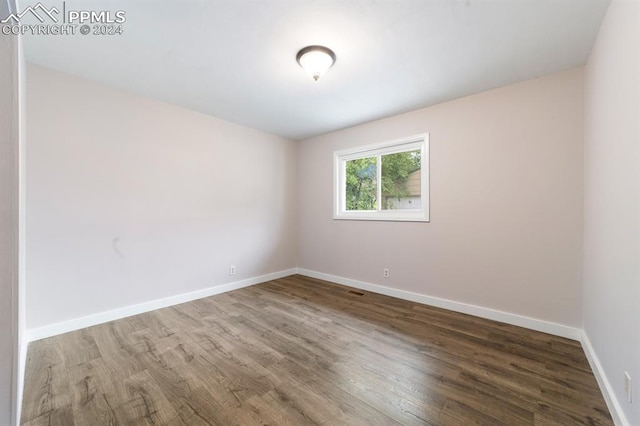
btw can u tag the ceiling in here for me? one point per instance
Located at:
(235, 59)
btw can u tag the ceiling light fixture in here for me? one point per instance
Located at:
(316, 60)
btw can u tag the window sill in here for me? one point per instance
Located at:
(417, 216)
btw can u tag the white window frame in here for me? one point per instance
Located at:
(340, 159)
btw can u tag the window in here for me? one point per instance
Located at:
(387, 181)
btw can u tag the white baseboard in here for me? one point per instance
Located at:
(479, 311)
(605, 386)
(22, 365)
(127, 311)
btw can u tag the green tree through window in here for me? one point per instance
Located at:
(361, 188)
(361, 179)
(396, 169)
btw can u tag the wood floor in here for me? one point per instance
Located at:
(299, 351)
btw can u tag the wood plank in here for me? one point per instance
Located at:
(146, 404)
(298, 351)
(46, 390)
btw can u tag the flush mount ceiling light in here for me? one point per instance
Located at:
(316, 60)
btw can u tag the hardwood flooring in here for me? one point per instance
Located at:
(299, 351)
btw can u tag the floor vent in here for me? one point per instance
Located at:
(357, 293)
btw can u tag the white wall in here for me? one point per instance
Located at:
(131, 200)
(506, 203)
(22, 343)
(9, 222)
(612, 200)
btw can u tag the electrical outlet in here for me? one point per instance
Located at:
(385, 272)
(627, 386)
(232, 270)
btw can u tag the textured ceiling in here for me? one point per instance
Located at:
(235, 59)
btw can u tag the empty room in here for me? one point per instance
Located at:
(305, 212)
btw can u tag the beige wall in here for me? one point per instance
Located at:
(131, 200)
(612, 201)
(506, 203)
(9, 181)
